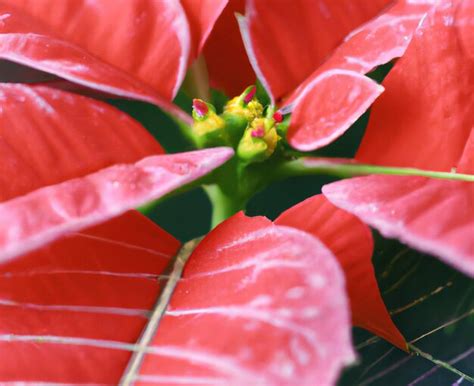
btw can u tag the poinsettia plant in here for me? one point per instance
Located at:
(255, 98)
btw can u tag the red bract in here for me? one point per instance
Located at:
(61, 174)
(311, 31)
(202, 15)
(325, 109)
(428, 214)
(94, 53)
(61, 302)
(257, 302)
(410, 124)
(49, 136)
(424, 120)
(303, 59)
(64, 175)
(137, 49)
(252, 331)
(351, 242)
(227, 321)
(227, 62)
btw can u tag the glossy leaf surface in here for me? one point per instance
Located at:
(351, 242)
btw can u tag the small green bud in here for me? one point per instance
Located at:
(240, 111)
(259, 141)
(235, 127)
(208, 128)
(245, 105)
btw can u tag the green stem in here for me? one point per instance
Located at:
(304, 166)
(223, 205)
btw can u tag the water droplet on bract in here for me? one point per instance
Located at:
(181, 167)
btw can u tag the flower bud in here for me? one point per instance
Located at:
(245, 105)
(208, 128)
(259, 141)
(280, 120)
(200, 109)
(278, 117)
(240, 111)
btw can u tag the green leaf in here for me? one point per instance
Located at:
(433, 305)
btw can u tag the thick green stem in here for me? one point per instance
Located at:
(223, 205)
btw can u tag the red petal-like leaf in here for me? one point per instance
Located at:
(227, 62)
(435, 216)
(380, 40)
(49, 136)
(96, 286)
(466, 164)
(351, 242)
(67, 162)
(258, 304)
(426, 117)
(329, 106)
(375, 43)
(287, 42)
(466, 10)
(132, 48)
(425, 120)
(36, 218)
(202, 15)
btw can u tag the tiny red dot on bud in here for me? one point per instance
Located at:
(250, 94)
(259, 132)
(278, 117)
(200, 107)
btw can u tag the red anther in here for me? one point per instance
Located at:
(200, 107)
(259, 132)
(250, 94)
(278, 117)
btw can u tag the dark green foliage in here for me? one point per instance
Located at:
(424, 295)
